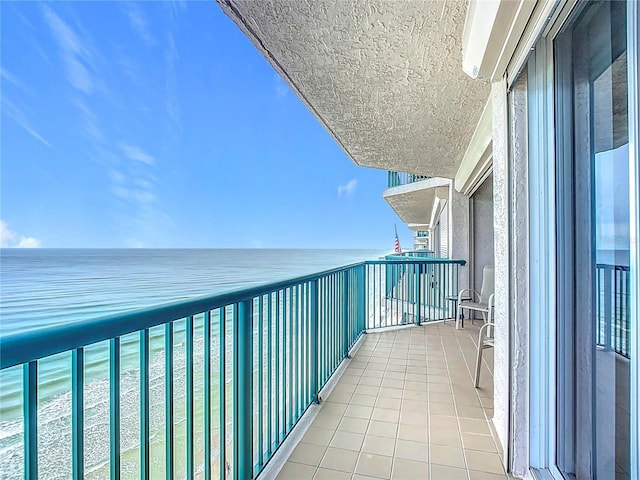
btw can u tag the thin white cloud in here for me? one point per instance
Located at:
(21, 119)
(348, 188)
(139, 24)
(135, 153)
(10, 239)
(73, 50)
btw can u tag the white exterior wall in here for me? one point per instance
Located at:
(502, 264)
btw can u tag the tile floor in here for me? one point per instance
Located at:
(405, 408)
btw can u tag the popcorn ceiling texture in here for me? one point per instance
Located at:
(383, 76)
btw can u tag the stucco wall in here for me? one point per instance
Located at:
(502, 266)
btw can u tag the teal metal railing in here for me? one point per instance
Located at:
(613, 321)
(395, 179)
(230, 374)
(421, 253)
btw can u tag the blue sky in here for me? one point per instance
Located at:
(159, 125)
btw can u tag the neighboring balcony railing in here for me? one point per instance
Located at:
(422, 234)
(395, 179)
(421, 253)
(210, 386)
(612, 306)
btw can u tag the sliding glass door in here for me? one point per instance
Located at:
(592, 129)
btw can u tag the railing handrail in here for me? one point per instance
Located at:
(34, 344)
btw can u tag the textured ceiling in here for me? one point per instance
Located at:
(413, 202)
(383, 76)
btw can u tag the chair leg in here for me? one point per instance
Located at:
(458, 315)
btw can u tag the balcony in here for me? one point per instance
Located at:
(404, 407)
(395, 179)
(225, 383)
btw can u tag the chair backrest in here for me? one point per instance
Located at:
(487, 284)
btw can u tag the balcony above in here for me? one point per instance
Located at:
(384, 78)
(414, 202)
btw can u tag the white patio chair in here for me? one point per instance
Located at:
(480, 302)
(485, 340)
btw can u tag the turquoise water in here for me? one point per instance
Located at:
(48, 287)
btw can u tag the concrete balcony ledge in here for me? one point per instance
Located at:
(403, 407)
(413, 202)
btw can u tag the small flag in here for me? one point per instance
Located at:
(397, 248)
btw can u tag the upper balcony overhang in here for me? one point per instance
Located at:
(383, 77)
(414, 202)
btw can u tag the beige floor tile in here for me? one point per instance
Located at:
(415, 377)
(377, 466)
(347, 440)
(385, 415)
(339, 397)
(358, 411)
(414, 395)
(367, 390)
(382, 429)
(353, 425)
(465, 411)
(441, 397)
(409, 450)
(443, 422)
(421, 405)
(439, 387)
(409, 470)
(363, 400)
(393, 383)
(390, 392)
(450, 456)
(296, 471)
(390, 403)
(450, 438)
(326, 474)
(378, 445)
(349, 379)
(484, 443)
(448, 473)
(416, 433)
(438, 379)
(318, 436)
(417, 386)
(442, 409)
(307, 454)
(371, 381)
(332, 408)
(339, 459)
(327, 420)
(412, 417)
(484, 462)
(470, 425)
(396, 368)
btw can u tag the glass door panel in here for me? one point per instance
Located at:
(591, 64)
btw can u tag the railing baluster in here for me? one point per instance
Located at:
(270, 371)
(278, 357)
(144, 404)
(114, 407)
(189, 396)
(243, 391)
(260, 381)
(207, 395)
(315, 357)
(77, 413)
(223, 395)
(30, 411)
(345, 314)
(168, 399)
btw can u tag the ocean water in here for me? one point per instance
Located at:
(49, 287)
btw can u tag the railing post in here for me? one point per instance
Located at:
(363, 298)
(418, 271)
(314, 341)
(243, 392)
(345, 313)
